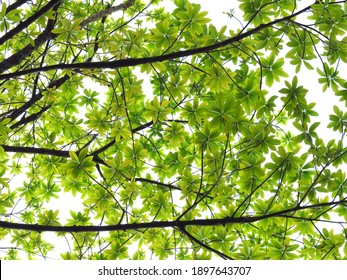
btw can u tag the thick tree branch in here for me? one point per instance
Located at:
(107, 12)
(194, 239)
(164, 224)
(142, 126)
(112, 142)
(47, 34)
(32, 150)
(31, 118)
(43, 151)
(144, 180)
(54, 84)
(24, 24)
(147, 60)
(19, 56)
(170, 186)
(15, 5)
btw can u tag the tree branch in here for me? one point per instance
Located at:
(194, 239)
(153, 59)
(112, 142)
(54, 84)
(31, 118)
(165, 224)
(107, 12)
(44, 151)
(47, 34)
(24, 24)
(15, 5)
(19, 56)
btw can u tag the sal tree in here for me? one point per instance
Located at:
(140, 130)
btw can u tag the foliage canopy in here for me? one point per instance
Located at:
(134, 131)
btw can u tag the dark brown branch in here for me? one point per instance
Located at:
(170, 186)
(164, 224)
(43, 151)
(37, 97)
(112, 142)
(47, 34)
(104, 148)
(32, 150)
(142, 126)
(24, 24)
(15, 5)
(55, 84)
(19, 56)
(31, 118)
(106, 12)
(144, 180)
(147, 60)
(194, 239)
